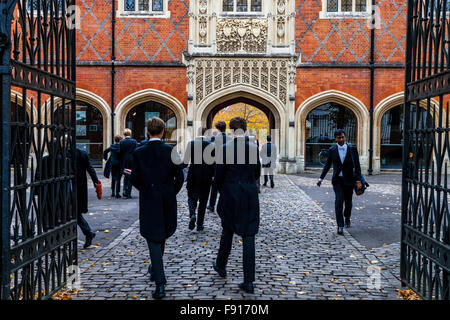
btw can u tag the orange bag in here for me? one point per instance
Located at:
(99, 190)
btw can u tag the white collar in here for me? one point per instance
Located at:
(154, 139)
(342, 147)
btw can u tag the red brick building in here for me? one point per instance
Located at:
(308, 64)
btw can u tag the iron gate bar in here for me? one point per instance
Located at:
(39, 230)
(425, 246)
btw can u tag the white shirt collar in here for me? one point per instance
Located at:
(342, 147)
(154, 139)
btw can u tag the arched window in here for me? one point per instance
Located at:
(137, 120)
(321, 124)
(392, 125)
(89, 130)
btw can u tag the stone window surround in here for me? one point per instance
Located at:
(121, 13)
(324, 14)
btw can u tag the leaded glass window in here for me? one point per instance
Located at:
(256, 5)
(361, 5)
(241, 6)
(143, 5)
(332, 6)
(50, 4)
(228, 5)
(129, 5)
(346, 5)
(157, 5)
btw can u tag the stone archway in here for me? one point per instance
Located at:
(344, 99)
(380, 110)
(256, 98)
(92, 99)
(16, 97)
(136, 98)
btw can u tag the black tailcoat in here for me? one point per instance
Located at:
(158, 180)
(238, 205)
(127, 146)
(200, 173)
(350, 176)
(112, 166)
(83, 166)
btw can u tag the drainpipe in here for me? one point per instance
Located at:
(113, 70)
(372, 80)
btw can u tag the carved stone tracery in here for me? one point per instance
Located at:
(271, 75)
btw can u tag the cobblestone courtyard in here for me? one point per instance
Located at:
(299, 255)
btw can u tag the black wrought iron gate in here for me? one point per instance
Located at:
(425, 246)
(38, 206)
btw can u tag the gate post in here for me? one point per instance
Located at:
(5, 71)
(408, 66)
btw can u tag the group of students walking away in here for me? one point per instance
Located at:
(118, 161)
(225, 165)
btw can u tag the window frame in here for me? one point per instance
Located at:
(325, 14)
(122, 13)
(242, 13)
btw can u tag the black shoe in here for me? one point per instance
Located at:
(159, 292)
(340, 231)
(113, 195)
(247, 287)
(89, 238)
(221, 272)
(200, 228)
(264, 184)
(347, 223)
(272, 184)
(129, 197)
(118, 196)
(192, 222)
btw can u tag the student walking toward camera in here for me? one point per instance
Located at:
(346, 176)
(268, 159)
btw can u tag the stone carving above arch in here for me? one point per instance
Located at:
(241, 35)
(271, 75)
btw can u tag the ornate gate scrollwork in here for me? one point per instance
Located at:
(425, 246)
(38, 196)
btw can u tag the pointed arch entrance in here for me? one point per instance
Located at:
(272, 107)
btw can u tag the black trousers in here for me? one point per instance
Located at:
(202, 200)
(156, 269)
(268, 176)
(127, 185)
(83, 224)
(213, 196)
(115, 184)
(248, 256)
(344, 194)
